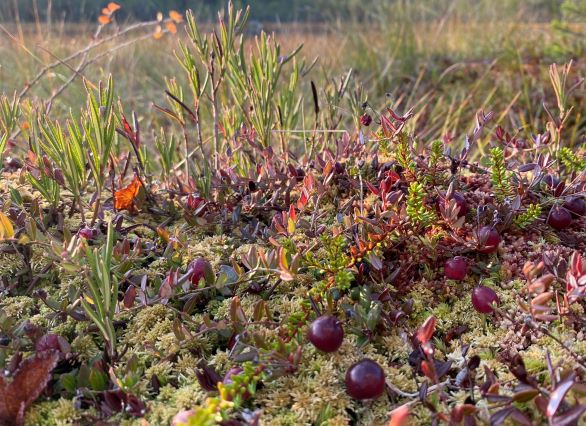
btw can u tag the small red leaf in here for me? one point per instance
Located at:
(426, 330)
(129, 297)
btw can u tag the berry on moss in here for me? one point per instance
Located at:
(365, 380)
(456, 268)
(488, 239)
(483, 299)
(326, 333)
(559, 218)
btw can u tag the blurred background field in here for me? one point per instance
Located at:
(446, 59)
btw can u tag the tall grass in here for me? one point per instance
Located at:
(444, 59)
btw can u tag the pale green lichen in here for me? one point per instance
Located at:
(10, 264)
(85, 347)
(18, 307)
(61, 412)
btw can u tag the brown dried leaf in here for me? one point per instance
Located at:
(30, 379)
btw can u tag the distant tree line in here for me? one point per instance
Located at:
(271, 10)
(81, 10)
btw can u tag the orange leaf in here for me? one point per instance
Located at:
(175, 16)
(426, 330)
(103, 19)
(400, 416)
(113, 7)
(163, 233)
(171, 27)
(125, 198)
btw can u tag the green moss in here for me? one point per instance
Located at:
(18, 307)
(85, 347)
(10, 263)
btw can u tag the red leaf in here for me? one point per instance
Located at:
(30, 379)
(426, 330)
(129, 297)
(372, 188)
(429, 370)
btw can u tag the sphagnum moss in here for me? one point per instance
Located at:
(352, 227)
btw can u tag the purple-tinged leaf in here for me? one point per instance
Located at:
(569, 417)
(557, 396)
(500, 416)
(520, 418)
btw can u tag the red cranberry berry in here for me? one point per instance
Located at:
(366, 119)
(483, 299)
(456, 268)
(461, 203)
(326, 333)
(201, 268)
(365, 380)
(488, 239)
(576, 206)
(559, 218)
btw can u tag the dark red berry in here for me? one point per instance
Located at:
(488, 239)
(201, 269)
(576, 206)
(365, 380)
(366, 119)
(339, 168)
(483, 298)
(559, 218)
(461, 203)
(456, 268)
(326, 333)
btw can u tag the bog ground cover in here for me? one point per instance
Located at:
(266, 238)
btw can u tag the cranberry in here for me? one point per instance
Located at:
(576, 206)
(365, 380)
(366, 119)
(456, 268)
(201, 268)
(461, 203)
(483, 299)
(559, 218)
(488, 239)
(326, 333)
